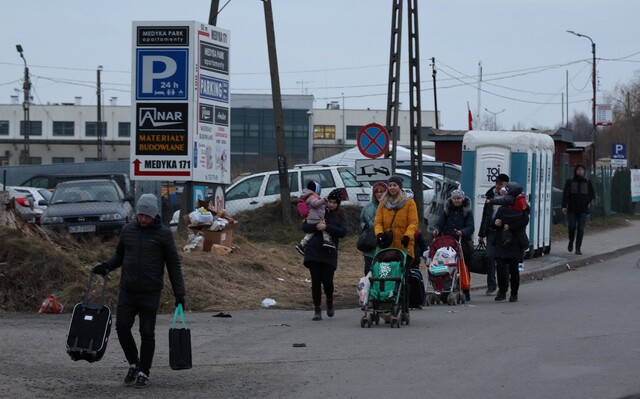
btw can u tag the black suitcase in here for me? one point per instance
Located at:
(90, 327)
(417, 295)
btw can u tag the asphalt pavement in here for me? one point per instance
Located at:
(572, 335)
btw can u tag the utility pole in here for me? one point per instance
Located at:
(567, 89)
(415, 107)
(25, 157)
(479, 92)
(213, 12)
(285, 193)
(435, 92)
(393, 93)
(495, 117)
(99, 123)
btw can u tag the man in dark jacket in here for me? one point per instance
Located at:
(487, 231)
(577, 194)
(145, 247)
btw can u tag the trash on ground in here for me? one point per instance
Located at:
(279, 279)
(51, 305)
(299, 345)
(225, 315)
(266, 302)
(279, 325)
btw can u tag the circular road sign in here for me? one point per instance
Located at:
(373, 140)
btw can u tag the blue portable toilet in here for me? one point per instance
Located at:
(524, 156)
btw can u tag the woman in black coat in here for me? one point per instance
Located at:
(321, 260)
(510, 253)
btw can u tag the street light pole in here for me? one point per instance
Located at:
(99, 112)
(495, 117)
(25, 157)
(593, 102)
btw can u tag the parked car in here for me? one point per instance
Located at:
(41, 198)
(51, 181)
(446, 169)
(256, 190)
(25, 204)
(428, 189)
(88, 206)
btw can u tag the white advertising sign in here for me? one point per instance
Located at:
(180, 97)
(604, 114)
(635, 185)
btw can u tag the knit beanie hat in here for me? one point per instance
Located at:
(396, 179)
(314, 186)
(335, 195)
(457, 193)
(379, 185)
(147, 205)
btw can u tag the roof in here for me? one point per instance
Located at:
(349, 157)
(440, 135)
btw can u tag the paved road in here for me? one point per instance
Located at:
(574, 335)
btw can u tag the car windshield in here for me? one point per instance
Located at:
(85, 193)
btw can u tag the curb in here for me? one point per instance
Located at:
(564, 266)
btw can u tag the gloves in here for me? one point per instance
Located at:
(101, 269)
(380, 239)
(404, 241)
(180, 301)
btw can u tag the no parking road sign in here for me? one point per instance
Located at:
(373, 140)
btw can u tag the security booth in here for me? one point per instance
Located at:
(524, 156)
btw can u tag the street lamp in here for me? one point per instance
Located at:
(495, 117)
(25, 157)
(593, 102)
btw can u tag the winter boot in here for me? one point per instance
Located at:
(317, 316)
(501, 296)
(330, 311)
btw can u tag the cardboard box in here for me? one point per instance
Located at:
(223, 237)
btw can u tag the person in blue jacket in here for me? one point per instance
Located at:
(368, 219)
(457, 221)
(322, 261)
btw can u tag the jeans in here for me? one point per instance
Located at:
(321, 277)
(145, 305)
(577, 221)
(491, 262)
(508, 272)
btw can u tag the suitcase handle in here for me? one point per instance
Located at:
(85, 297)
(179, 312)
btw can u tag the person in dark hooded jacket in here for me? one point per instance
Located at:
(321, 260)
(144, 248)
(487, 231)
(457, 221)
(511, 222)
(577, 195)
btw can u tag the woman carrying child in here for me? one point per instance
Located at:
(511, 220)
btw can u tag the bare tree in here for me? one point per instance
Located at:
(581, 126)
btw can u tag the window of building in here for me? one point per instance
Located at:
(35, 128)
(62, 160)
(35, 160)
(91, 159)
(91, 129)
(124, 129)
(63, 128)
(321, 132)
(352, 132)
(4, 128)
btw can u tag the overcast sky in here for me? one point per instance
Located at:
(336, 48)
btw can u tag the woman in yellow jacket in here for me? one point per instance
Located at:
(397, 211)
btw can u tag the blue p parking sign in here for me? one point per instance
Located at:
(161, 74)
(618, 151)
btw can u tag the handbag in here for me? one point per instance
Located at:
(479, 260)
(179, 343)
(387, 238)
(366, 240)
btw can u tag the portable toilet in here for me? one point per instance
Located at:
(485, 155)
(549, 147)
(534, 197)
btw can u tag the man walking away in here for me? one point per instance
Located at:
(145, 247)
(577, 195)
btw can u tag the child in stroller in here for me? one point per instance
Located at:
(443, 271)
(388, 291)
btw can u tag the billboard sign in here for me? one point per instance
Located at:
(604, 114)
(180, 97)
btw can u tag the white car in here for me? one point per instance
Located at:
(256, 190)
(428, 187)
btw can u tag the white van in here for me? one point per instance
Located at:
(258, 189)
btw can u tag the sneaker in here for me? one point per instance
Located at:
(501, 297)
(132, 374)
(300, 249)
(490, 290)
(570, 247)
(329, 244)
(513, 298)
(578, 251)
(142, 381)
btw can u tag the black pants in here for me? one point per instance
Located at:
(145, 305)
(508, 271)
(321, 276)
(367, 264)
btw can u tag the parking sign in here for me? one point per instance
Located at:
(161, 74)
(618, 151)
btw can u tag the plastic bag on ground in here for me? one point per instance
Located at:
(267, 302)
